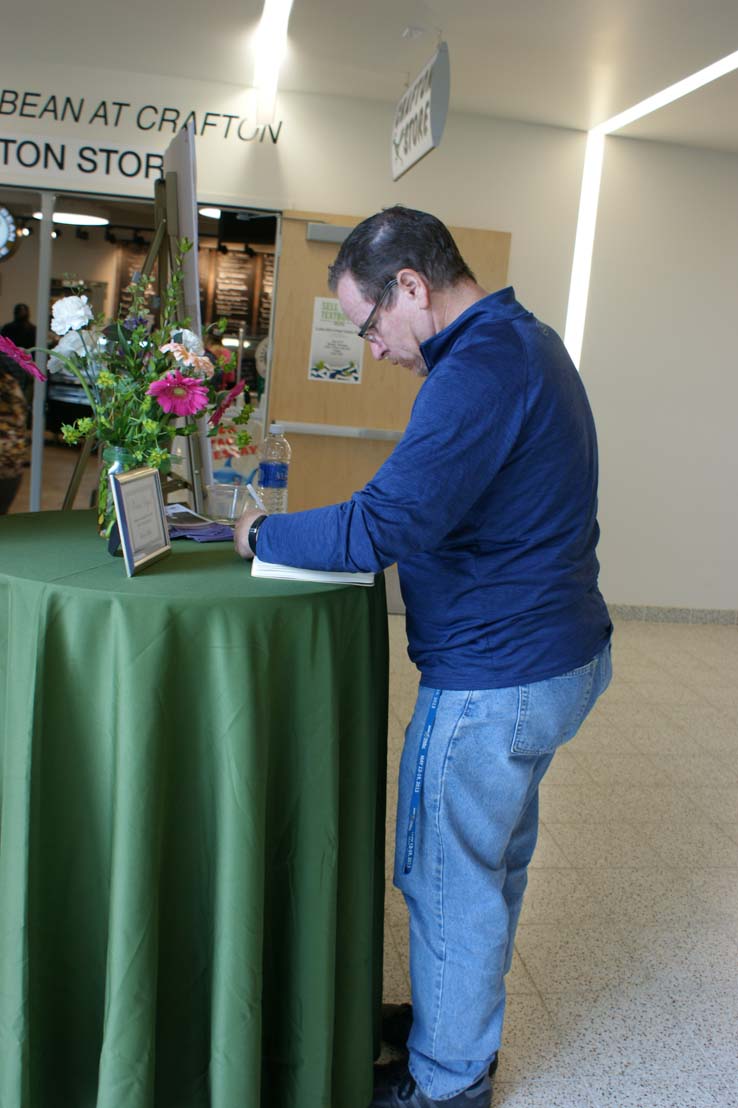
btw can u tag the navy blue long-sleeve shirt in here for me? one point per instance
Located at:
(488, 504)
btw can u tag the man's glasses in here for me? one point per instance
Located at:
(365, 330)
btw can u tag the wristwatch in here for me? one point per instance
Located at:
(254, 531)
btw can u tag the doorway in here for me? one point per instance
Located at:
(101, 245)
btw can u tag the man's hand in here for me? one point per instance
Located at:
(241, 532)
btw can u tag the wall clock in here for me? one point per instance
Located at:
(8, 234)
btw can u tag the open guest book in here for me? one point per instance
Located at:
(319, 576)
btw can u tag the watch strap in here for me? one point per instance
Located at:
(254, 531)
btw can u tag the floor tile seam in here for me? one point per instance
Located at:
(617, 863)
(532, 980)
(729, 828)
(618, 932)
(726, 763)
(613, 812)
(708, 823)
(716, 734)
(618, 794)
(400, 959)
(667, 818)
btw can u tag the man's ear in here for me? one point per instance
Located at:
(414, 285)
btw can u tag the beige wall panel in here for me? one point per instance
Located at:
(326, 470)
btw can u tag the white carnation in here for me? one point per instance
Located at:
(80, 343)
(71, 313)
(190, 341)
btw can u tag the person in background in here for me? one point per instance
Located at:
(13, 411)
(20, 330)
(23, 333)
(488, 505)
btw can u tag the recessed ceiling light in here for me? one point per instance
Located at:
(210, 213)
(72, 219)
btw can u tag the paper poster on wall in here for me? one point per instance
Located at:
(335, 348)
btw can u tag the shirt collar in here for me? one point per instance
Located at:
(496, 306)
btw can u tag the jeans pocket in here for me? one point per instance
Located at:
(551, 712)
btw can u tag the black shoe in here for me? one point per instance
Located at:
(397, 1019)
(401, 1091)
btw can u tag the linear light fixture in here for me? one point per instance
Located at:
(271, 47)
(590, 194)
(72, 219)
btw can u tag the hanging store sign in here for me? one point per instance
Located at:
(421, 114)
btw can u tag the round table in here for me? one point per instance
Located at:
(191, 828)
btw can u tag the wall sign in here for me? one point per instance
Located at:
(81, 132)
(421, 114)
(336, 350)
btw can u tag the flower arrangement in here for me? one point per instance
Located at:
(144, 385)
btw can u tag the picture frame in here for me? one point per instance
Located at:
(141, 518)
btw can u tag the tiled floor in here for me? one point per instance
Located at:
(624, 988)
(58, 465)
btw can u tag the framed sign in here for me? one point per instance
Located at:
(142, 524)
(336, 351)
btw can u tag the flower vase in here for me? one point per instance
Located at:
(115, 459)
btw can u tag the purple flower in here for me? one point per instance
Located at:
(134, 321)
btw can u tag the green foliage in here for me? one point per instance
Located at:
(121, 361)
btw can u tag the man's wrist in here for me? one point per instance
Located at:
(254, 531)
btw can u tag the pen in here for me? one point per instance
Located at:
(257, 498)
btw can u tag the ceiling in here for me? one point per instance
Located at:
(566, 63)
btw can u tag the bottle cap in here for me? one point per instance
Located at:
(276, 429)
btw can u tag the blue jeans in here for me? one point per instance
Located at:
(467, 823)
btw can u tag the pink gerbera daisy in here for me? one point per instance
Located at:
(181, 395)
(20, 357)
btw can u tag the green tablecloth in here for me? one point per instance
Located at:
(191, 829)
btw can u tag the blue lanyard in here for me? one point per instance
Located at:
(419, 775)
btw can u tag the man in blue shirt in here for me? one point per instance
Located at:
(488, 505)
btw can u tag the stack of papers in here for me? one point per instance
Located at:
(318, 576)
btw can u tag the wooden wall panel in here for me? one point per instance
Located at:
(327, 470)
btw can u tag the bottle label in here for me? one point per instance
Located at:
(273, 475)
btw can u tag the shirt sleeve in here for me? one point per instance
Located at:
(464, 423)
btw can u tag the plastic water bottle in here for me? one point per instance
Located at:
(274, 462)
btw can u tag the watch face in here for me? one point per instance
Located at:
(8, 240)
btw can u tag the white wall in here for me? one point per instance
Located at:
(486, 173)
(659, 362)
(332, 155)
